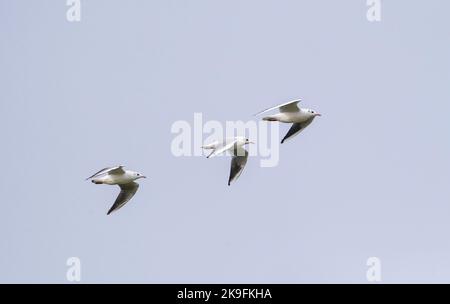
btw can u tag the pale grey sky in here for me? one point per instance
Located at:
(369, 178)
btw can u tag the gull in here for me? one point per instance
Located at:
(239, 155)
(125, 179)
(291, 113)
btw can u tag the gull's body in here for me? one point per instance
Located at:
(239, 155)
(290, 117)
(125, 179)
(291, 113)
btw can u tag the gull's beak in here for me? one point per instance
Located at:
(318, 114)
(251, 142)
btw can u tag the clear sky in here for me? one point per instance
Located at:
(370, 178)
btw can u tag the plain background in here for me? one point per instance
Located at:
(369, 178)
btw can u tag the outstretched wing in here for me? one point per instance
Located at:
(238, 163)
(109, 170)
(222, 149)
(127, 191)
(296, 129)
(290, 106)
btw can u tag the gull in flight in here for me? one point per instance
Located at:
(125, 179)
(239, 155)
(291, 113)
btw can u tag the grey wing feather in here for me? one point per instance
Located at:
(296, 129)
(117, 171)
(104, 170)
(238, 163)
(110, 170)
(127, 192)
(290, 106)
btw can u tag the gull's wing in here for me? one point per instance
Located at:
(237, 164)
(109, 170)
(127, 191)
(117, 171)
(296, 129)
(222, 149)
(290, 106)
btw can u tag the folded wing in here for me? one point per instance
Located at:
(109, 170)
(291, 106)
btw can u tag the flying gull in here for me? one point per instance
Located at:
(291, 113)
(125, 179)
(239, 155)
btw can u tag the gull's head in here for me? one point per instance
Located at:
(241, 141)
(138, 175)
(313, 113)
(247, 141)
(244, 141)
